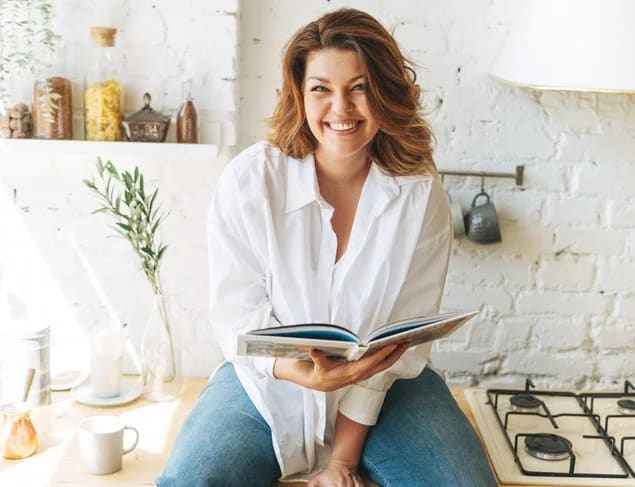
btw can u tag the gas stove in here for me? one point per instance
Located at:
(539, 437)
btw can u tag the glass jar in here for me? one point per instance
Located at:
(103, 95)
(15, 116)
(18, 438)
(52, 108)
(187, 118)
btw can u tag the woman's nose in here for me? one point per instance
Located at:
(342, 104)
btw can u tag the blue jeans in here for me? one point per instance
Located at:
(421, 439)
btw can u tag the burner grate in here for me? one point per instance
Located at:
(550, 446)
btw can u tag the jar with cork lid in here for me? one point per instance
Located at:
(103, 95)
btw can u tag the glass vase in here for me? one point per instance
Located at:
(160, 355)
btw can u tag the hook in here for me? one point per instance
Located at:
(482, 182)
(442, 178)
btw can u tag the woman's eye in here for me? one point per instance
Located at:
(359, 87)
(319, 88)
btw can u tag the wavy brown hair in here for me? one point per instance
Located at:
(403, 145)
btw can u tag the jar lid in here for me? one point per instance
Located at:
(103, 36)
(147, 114)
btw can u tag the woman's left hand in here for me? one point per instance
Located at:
(337, 474)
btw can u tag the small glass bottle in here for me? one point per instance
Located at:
(187, 118)
(103, 96)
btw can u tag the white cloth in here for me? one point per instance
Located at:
(272, 261)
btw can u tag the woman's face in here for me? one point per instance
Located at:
(336, 103)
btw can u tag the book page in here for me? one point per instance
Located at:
(409, 323)
(424, 333)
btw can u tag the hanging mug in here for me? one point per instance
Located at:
(481, 222)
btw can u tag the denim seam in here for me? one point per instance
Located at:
(377, 472)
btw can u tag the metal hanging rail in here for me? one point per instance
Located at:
(518, 175)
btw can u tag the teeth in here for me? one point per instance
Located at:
(342, 125)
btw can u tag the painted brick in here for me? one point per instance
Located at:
(616, 276)
(488, 270)
(620, 213)
(605, 178)
(617, 365)
(572, 211)
(612, 336)
(462, 361)
(467, 298)
(513, 333)
(544, 177)
(565, 303)
(565, 275)
(589, 241)
(575, 364)
(559, 334)
(626, 307)
(521, 239)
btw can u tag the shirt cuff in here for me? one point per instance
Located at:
(264, 365)
(362, 405)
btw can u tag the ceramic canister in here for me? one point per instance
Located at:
(23, 346)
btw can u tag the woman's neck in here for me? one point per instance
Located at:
(341, 170)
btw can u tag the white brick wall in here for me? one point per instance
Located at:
(557, 295)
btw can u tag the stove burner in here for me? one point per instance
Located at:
(626, 406)
(525, 403)
(547, 446)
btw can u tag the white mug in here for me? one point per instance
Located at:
(101, 443)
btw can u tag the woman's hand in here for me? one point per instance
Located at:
(337, 474)
(326, 374)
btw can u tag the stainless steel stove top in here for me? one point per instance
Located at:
(538, 437)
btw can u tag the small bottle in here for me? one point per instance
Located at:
(187, 118)
(103, 98)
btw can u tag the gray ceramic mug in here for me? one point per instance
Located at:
(481, 222)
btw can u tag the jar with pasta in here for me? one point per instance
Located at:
(103, 95)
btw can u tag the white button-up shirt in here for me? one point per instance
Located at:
(272, 261)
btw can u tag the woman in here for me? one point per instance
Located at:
(337, 218)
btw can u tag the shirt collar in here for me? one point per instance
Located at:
(302, 185)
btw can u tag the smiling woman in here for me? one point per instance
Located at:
(338, 218)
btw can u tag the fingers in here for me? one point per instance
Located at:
(388, 360)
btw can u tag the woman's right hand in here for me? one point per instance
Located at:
(327, 374)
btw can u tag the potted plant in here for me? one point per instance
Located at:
(138, 218)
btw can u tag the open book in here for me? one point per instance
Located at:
(295, 341)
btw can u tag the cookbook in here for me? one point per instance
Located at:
(295, 341)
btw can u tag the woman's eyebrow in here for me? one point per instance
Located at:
(324, 80)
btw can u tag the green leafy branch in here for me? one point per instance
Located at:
(136, 213)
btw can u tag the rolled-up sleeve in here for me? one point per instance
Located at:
(420, 293)
(238, 289)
